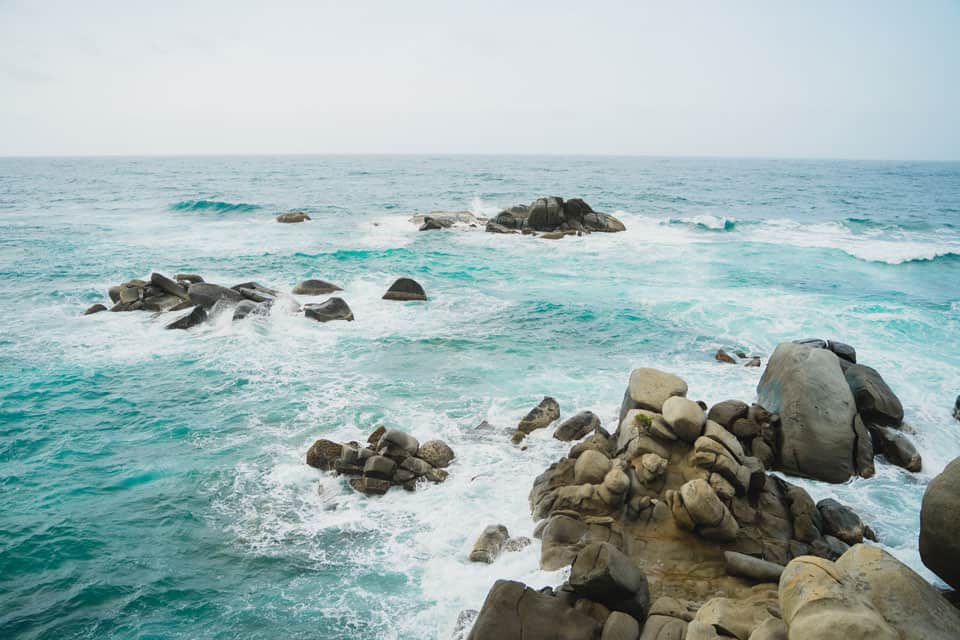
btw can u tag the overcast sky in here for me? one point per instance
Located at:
(798, 79)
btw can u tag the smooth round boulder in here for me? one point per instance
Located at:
(940, 527)
(315, 288)
(405, 289)
(332, 309)
(649, 389)
(727, 412)
(685, 417)
(591, 467)
(97, 308)
(436, 452)
(620, 626)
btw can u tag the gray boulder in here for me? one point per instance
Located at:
(604, 574)
(315, 288)
(206, 295)
(649, 388)
(293, 216)
(494, 227)
(620, 626)
(546, 214)
(806, 387)
(513, 611)
(577, 427)
(940, 527)
(841, 521)
(97, 308)
(727, 412)
(167, 285)
(490, 543)
(379, 467)
(896, 447)
(877, 403)
(405, 289)
(332, 309)
(192, 319)
(399, 439)
(540, 416)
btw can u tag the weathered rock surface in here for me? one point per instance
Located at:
(649, 389)
(539, 417)
(579, 426)
(332, 309)
(895, 447)
(206, 295)
(405, 289)
(876, 402)
(806, 387)
(940, 526)
(604, 574)
(513, 611)
(489, 544)
(315, 288)
(437, 453)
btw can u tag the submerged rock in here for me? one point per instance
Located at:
(723, 356)
(896, 447)
(192, 319)
(97, 308)
(315, 288)
(405, 289)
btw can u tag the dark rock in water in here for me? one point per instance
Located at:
(727, 412)
(167, 285)
(577, 427)
(315, 288)
(956, 408)
(754, 362)
(136, 305)
(405, 289)
(940, 527)
(379, 467)
(294, 216)
(876, 402)
(895, 447)
(207, 295)
(540, 416)
(606, 575)
(552, 235)
(370, 486)
(183, 304)
(513, 611)
(546, 214)
(863, 451)
(323, 454)
(436, 452)
(841, 521)
(164, 302)
(332, 309)
(494, 227)
(256, 292)
(247, 307)
(723, 356)
(489, 544)
(430, 224)
(189, 278)
(114, 293)
(192, 319)
(806, 387)
(130, 293)
(97, 308)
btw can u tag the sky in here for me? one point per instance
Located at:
(853, 79)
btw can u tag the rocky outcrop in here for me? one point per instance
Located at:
(578, 427)
(405, 289)
(649, 389)
(315, 288)
(392, 458)
(939, 526)
(805, 386)
(513, 611)
(292, 217)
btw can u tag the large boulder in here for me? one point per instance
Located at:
(513, 611)
(940, 527)
(908, 602)
(685, 417)
(840, 521)
(405, 289)
(649, 389)
(875, 400)
(606, 575)
(197, 316)
(436, 452)
(292, 217)
(577, 427)
(546, 214)
(206, 295)
(332, 309)
(167, 285)
(315, 288)
(807, 388)
(620, 626)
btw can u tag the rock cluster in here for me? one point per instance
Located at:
(551, 218)
(673, 528)
(834, 414)
(190, 291)
(389, 458)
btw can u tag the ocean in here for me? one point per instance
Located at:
(153, 482)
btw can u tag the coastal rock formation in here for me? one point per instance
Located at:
(876, 402)
(332, 309)
(315, 288)
(392, 458)
(96, 308)
(405, 289)
(578, 427)
(550, 215)
(539, 417)
(292, 217)
(513, 611)
(939, 527)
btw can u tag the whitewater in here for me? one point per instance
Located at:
(154, 482)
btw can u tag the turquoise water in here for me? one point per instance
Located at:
(153, 483)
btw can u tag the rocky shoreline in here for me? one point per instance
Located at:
(673, 527)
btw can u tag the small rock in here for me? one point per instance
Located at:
(723, 356)
(489, 544)
(577, 427)
(315, 288)
(896, 448)
(405, 289)
(841, 521)
(540, 416)
(604, 574)
(97, 308)
(293, 216)
(206, 295)
(754, 362)
(436, 452)
(332, 309)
